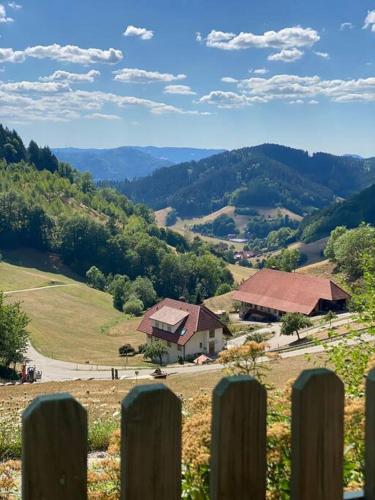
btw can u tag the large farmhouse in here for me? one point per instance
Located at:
(187, 329)
(270, 294)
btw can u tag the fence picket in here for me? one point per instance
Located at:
(151, 444)
(238, 446)
(370, 437)
(317, 436)
(54, 451)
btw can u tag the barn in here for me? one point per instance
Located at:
(269, 294)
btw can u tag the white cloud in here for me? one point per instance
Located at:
(65, 76)
(261, 71)
(370, 21)
(3, 16)
(293, 88)
(286, 55)
(179, 89)
(297, 101)
(135, 75)
(198, 37)
(142, 33)
(26, 86)
(102, 116)
(65, 53)
(287, 38)
(323, 55)
(14, 5)
(346, 26)
(229, 79)
(27, 103)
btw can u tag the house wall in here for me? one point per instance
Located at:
(199, 343)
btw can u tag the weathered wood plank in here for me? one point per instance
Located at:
(54, 449)
(317, 436)
(238, 446)
(370, 437)
(151, 444)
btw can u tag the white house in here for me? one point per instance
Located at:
(187, 330)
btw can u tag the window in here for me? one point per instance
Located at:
(212, 334)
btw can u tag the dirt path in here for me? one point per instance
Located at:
(40, 288)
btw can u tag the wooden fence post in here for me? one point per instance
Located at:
(238, 442)
(370, 437)
(54, 449)
(151, 444)
(317, 436)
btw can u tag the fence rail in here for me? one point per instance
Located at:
(55, 442)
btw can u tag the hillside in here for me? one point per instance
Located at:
(127, 162)
(350, 213)
(268, 175)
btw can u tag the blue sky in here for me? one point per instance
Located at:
(204, 73)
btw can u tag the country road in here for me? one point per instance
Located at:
(10, 292)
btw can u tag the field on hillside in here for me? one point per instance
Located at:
(73, 322)
(240, 273)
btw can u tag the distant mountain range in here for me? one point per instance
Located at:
(266, 175)
(128, 162)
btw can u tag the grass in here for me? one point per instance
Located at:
(73, 323)
(241, 273)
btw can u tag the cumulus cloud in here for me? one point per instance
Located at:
(198, 37)
(370, 21)
(102, 116)
(66, 76)
(65, 53)
(286, 55)
(323, 55)
(14, 5)
(3, 15)
(293, 88)
(26, 86)
(287, 38)
(25, 101)
(346, 26)
(136, 75)
(142, 33)
(179, 89)
(229, 79)
(261, 71)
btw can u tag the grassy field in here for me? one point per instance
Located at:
(73, 323)
(240, 273)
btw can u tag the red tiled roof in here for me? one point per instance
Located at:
(287, 292)
(199, 318)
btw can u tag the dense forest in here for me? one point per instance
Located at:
(47, 205)
(267, 175)
(350, 213)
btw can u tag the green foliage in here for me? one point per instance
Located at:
(143, 289)
(286, 260)
(13, 332)
(171, 218)
(223, 288)
(347, 248)
(133, 306)
(221, 226)
(95, 278)
(155, 350)
(292, 323)
(100, 433)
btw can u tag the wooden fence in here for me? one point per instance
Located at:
(55, 442)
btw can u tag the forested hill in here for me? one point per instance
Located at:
(267, 175)
(350, 213)
(56, 208)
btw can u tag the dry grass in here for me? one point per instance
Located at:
(102, 398)
(241, 273)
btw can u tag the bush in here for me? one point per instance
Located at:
(8, 373)
(126, 350)
(141, 348)
(100, 432)
(133, 306)
(223, 288)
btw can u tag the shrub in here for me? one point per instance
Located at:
(133, 306)
(126, 350)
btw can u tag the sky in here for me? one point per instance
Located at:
(202, 73)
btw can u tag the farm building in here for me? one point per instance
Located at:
(188, 330)
(269, 294)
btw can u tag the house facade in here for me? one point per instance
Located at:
(269, 294)
(187, 330)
